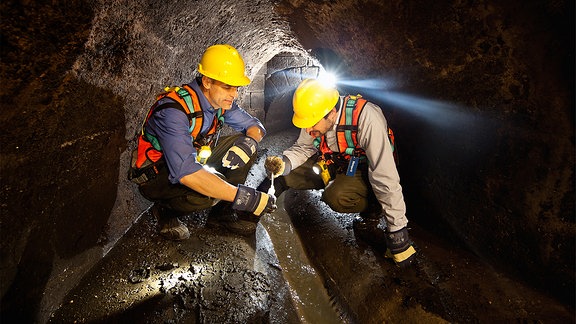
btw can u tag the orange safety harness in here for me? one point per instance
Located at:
(147, 157)
(346, 135)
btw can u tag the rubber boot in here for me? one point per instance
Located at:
(222, 212)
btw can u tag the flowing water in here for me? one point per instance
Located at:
(309, 295)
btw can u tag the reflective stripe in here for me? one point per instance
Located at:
(188, 99)
(402, 256)
(240, 153)
(262, 202)
(350, 120)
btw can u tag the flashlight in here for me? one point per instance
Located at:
(203, 154)
(321, 168)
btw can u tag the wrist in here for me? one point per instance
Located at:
(287, 165)
(252, 141)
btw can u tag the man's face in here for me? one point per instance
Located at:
(323, 126)
(220, 94)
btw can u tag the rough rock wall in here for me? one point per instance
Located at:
(482, 97)
(77, 78)
(137, 48)
(60, 151)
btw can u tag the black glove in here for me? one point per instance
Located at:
(240, 153)
(254, 201)
(400, 247)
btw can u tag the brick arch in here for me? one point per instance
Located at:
(284, 73)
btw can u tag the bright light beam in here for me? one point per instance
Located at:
(436, 112)
(443, 114)
(371, 84)
(327, 79)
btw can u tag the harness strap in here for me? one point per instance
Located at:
(186, 100)
(347, 129)
(190, 104)
(349, 124)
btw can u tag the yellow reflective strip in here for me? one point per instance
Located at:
(404, 255)
(240, 153)
(261, 204)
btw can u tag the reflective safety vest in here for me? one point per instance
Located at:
(346, 133)
(186, 100)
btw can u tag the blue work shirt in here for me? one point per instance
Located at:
(172, 129)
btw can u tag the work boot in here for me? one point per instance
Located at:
(175, 230)
(400, 247)
(171, 227)
(370, 231)
(238, 222)
(245, 224)
(220, 213)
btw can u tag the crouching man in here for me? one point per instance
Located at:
(346, 139)
(183, 165)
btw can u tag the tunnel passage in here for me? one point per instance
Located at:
(506, 190)
(284, 72)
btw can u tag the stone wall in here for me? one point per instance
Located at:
(77, 79)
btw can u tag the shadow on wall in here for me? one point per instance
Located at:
(74, 173)
(60, 152)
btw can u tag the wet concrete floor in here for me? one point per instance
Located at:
(304, 265)
(218, 277)
(214, 277)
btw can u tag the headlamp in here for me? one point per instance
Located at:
(327, 79)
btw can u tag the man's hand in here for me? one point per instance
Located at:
(400, 247)
(240, 153)
(274, 166)
(253, 201)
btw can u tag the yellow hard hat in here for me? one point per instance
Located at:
(312, 100)
(222, 62)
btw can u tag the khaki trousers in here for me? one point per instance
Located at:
(344, 194)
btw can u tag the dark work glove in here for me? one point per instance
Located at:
(400, 247)
(240, 153)
(254, 201)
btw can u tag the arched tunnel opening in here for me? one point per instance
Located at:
(481, 99)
